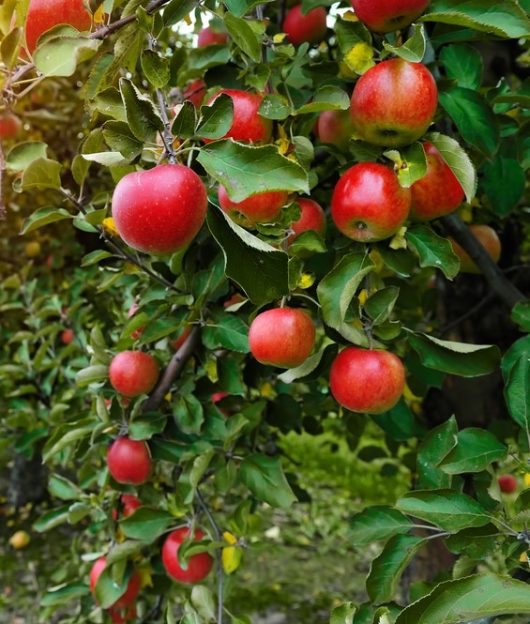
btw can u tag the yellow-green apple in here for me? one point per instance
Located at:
(132, 373)
(45, 14)
(247, 124)
(129, 461)
(387, 15)
(488, 238)
(309, 27)
(394, 103)
(160, 210)
(335, 127)
(282, 337)
(367, 381)
(312, 217)
(260, 208)
(198, 566)
(10, 126)
(439, 192)
(208, 36)
(368, 204)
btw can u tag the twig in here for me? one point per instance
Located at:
(502, 287)
(173, 370)
(467, 315)
(107, 30)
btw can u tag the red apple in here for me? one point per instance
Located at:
(67, 336)
(248, 124)
(133, 373)
(439, 192)
(488, 238)
(367, 381)
(129, 503)
(10, 126)
(195, 91)
(387, 15)
(335, 127)
(133, 587)
(208, 36)
(160, 210)
(129, 461)
(282, 337)
(394, 103)
(312, 217)
(45, 14)
(260, 208)
(507, 483)
(368, 204)
(198, 566)
(132, 311)
(300, 28)
(178, 342)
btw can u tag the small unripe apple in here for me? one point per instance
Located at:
(32, 249)
(129, 461)
(129, 503)
(19, 539)
(133, 586)
(368, 204)
(208, 36)
(507, 483)
(45, 14)
(388, 15)
(367, 381)
(178, 342)
(132, 373)
(10, 126)
(260, 208)
(335, 127)
(394, 103)
(198, 566)
(195, 92)
(312, 217)
(282, 337)
(488, 238)
(248, 124)
(439, 192)
(300, 28)
(160, 210)
(67, 336)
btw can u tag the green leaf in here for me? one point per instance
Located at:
(44, 216)
(228, 332)
(470, 598)
(400, 423)
(62, 488)
(108, 589)
(155, 68)
(521, 315)
(40, 174)
(517, 390)
(438, 443)
(119, 138)
(504, 183)
(264, 477)
(177, 10)
(463, 64)
(217, 118)
(60, 55)
(411, 163)
(142, 116)
(433, 250)
(414, 48)
(305, 369)
(243, 36)
(505, 19)
(51, 519)
(10, 46)
(146, 524)
(91, 374)
(203, 601)
(246, 256)
(124, 550)
(188, 414)
(475, 451)
(377, 523)
(23, 154)
(245, 170)
(455, 358)
(379, 306)
(457, 159)
(343, 614)
(326, 98)
(274, 106)
(336, 291)
(473, 117)
(388, 567)
(64, 593)
(447, 509)
(241, 7)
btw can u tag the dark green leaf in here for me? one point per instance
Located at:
(146, 524)
(243, 36)
(475, 451)
(217, 118)
(438, 443)
(377, 523)
(142, 117)
(433, 250)
(463, 64)
(264, 477)
(504, 183)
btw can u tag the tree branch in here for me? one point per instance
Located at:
(173, 370)
(502, 287)
(107, 30)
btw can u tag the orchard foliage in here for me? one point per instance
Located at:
(127, 359)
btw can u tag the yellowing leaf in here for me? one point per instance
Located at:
(99, 16)
(230, 538)
(283, 145)
(350, 16)
(360, 58)
(267, 391)
(399, 241)
(110, 227)
(526, 479)
(145, 573)
(363, 296)
(306, 280)
(279, 38)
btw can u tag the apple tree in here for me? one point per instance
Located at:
(242, 219)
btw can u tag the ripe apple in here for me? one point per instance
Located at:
(129, 503)
(178, 342)
(488, 238)
(312, 217)
(133, 373)
(367, 381)
(67, 336)
(45, 14)
(195, 91)
(335, 127)
(248, 124)
(300, 28)
(133, 586)
(384, 16)
(160, 210)
(393, 103)
(129, 461)
(10, 126)
(260, 208)
(198, 566)
(208, 36)
(282, 337)
(507, 483)
(368, 204)
(439, 192)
